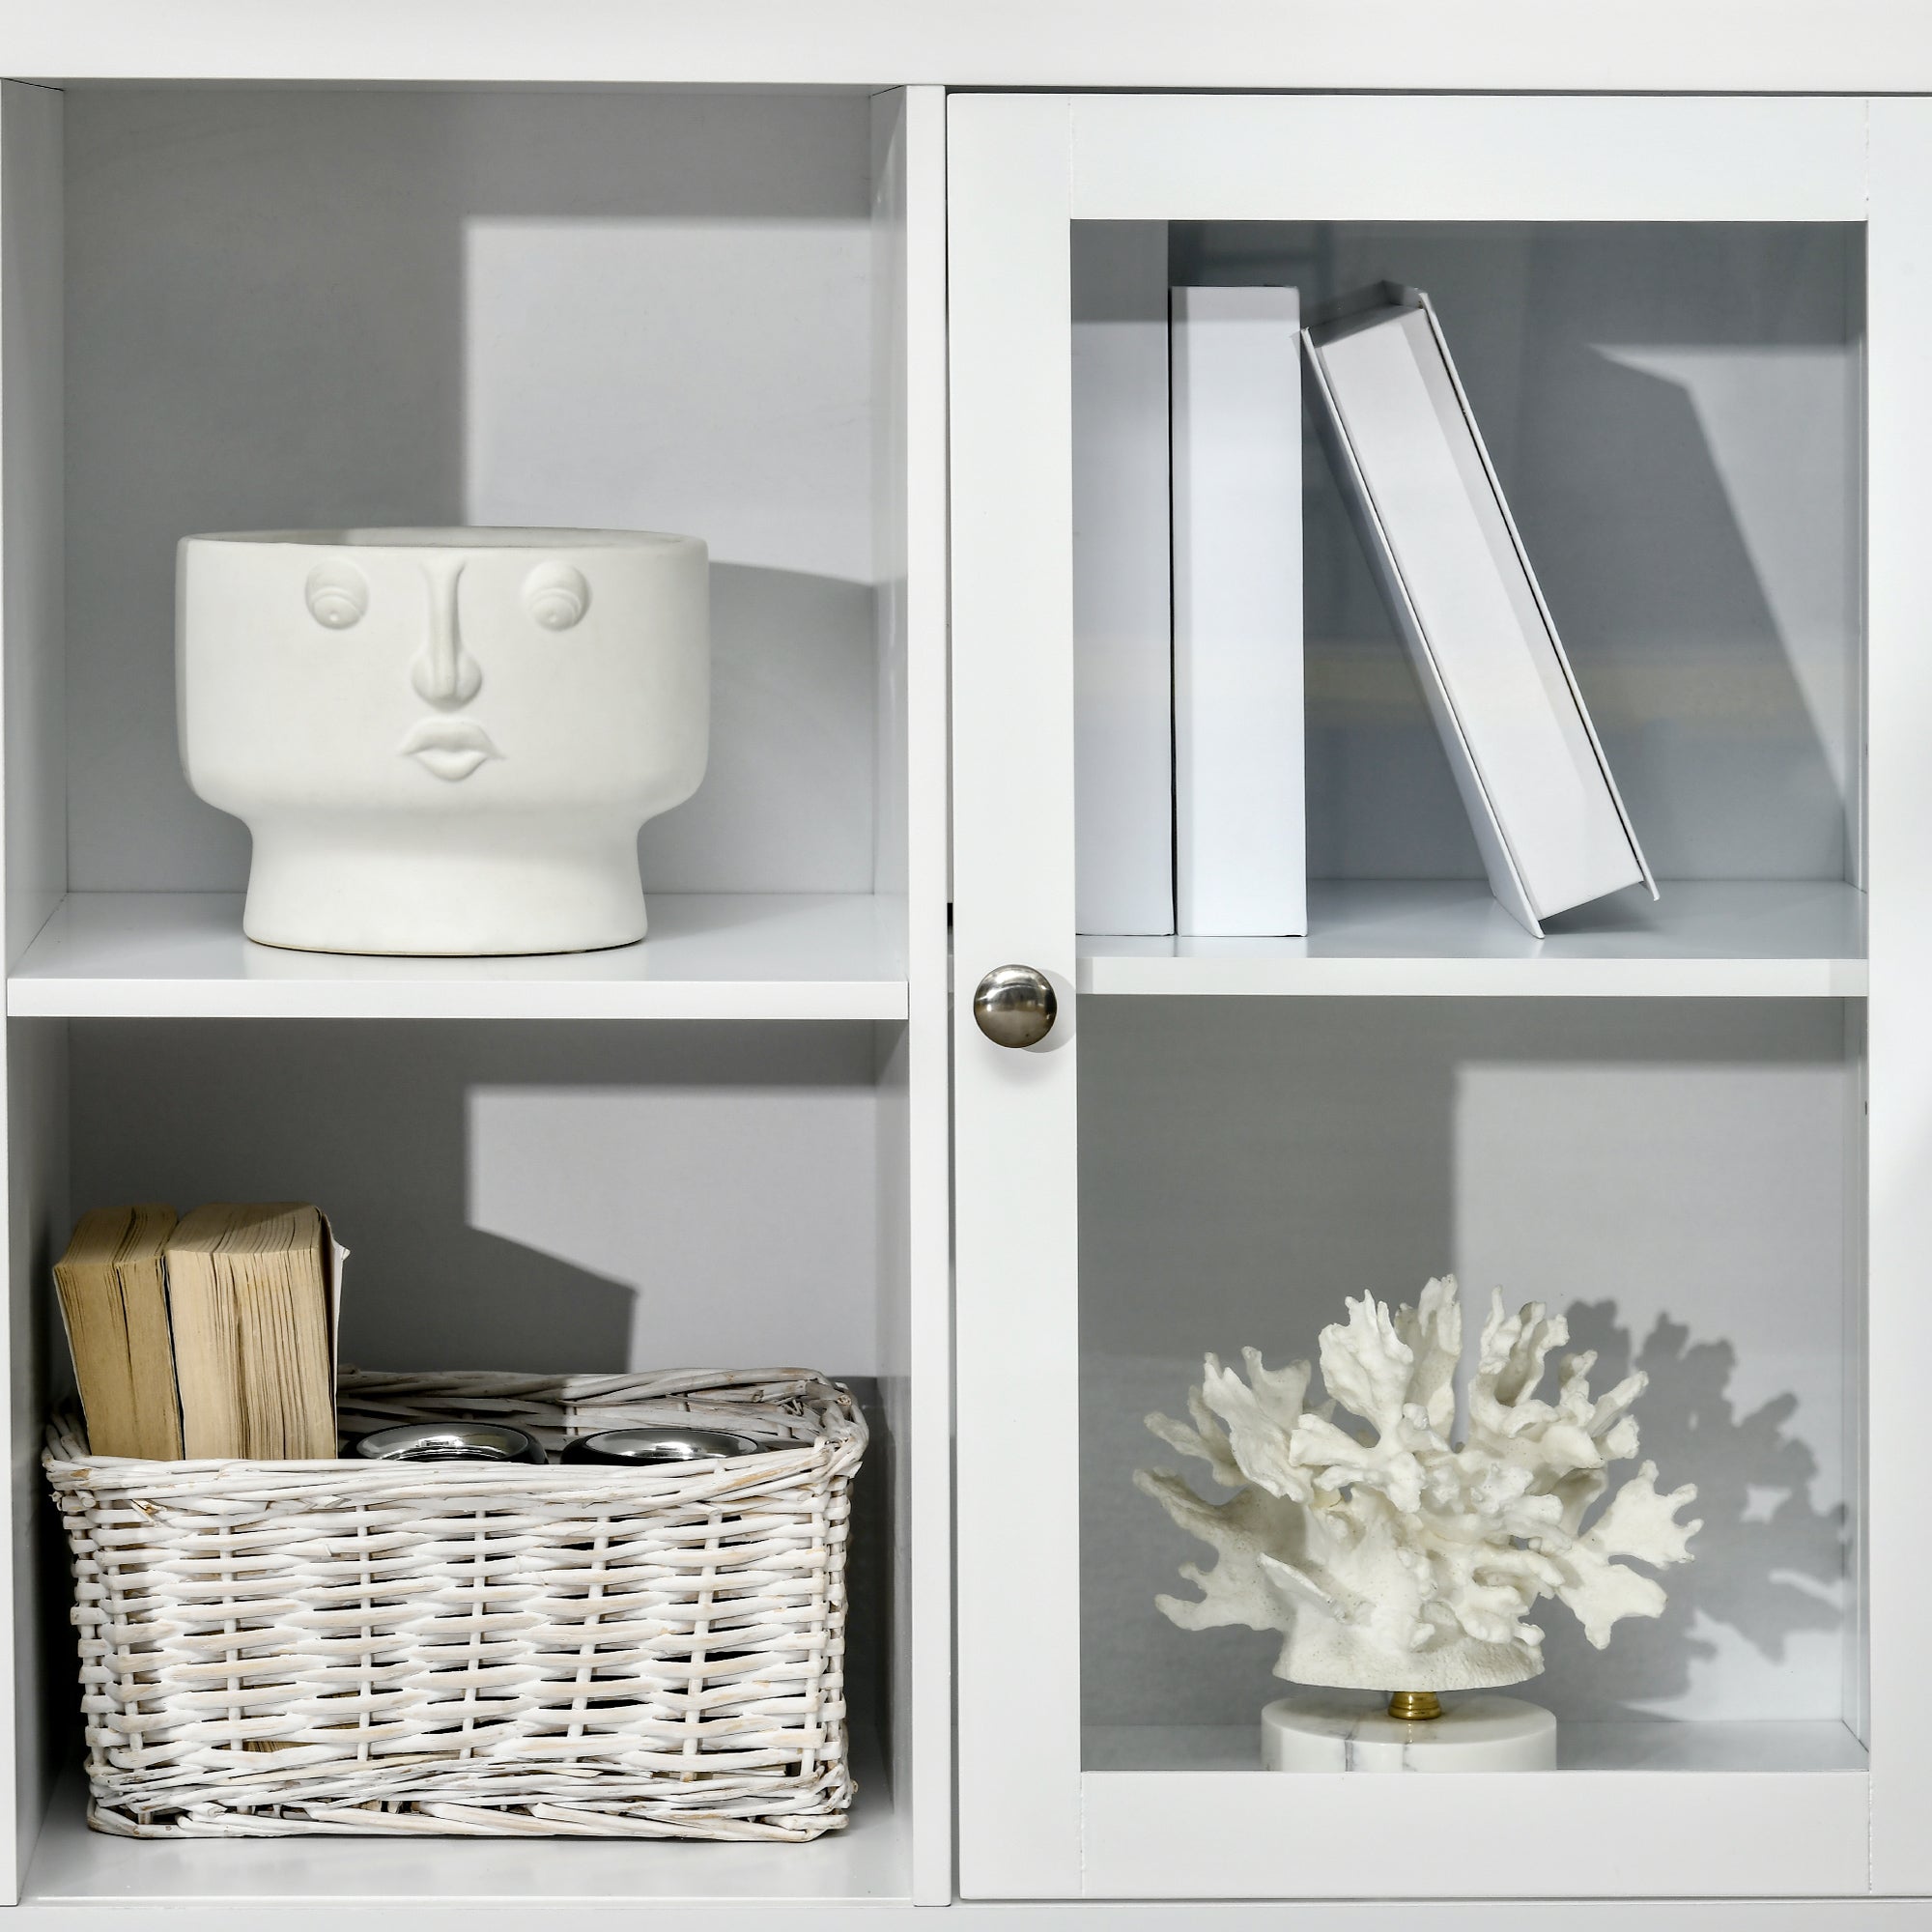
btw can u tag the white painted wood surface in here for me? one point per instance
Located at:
(1798, 45)
(1093, 1916)
(1015, 1231)
(1855, 1346)
(1396, 157)
(32, 462)
(1729, 939)
(928, 1709)
(1090, 1915)
(1270, 1834)
(33, 836)
(1899, 1094)
(865, 1863)
(1806, 1748)
(181, 956)
(915, 1344)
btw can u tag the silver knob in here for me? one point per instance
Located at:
(1015, 1005)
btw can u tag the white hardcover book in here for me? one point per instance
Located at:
(1239, 834)
(1419, 483)
(1123, 672)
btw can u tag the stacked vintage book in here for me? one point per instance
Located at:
(208, 1337)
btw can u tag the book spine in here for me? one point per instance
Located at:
(1122, 673)
(1240, 844)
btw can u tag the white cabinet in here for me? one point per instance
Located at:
(725, 271)
(1691, 327)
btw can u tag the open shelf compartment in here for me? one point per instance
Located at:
(1675, 411)
(581, 1198)
(718, 313)
(250, 308)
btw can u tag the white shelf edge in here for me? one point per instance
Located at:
(1623, 1747)
(721, 999)
(167, 955)
(1254, 1834)
(1752, 939)
(75, 1869)
(1112, 977)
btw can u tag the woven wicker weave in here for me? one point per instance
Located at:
(474, 1648)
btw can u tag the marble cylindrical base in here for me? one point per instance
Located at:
(1352, 1730)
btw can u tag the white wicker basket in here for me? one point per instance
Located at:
(481, 1649)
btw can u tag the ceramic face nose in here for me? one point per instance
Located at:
(444, 673)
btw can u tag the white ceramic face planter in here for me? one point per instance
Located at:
(443, 742)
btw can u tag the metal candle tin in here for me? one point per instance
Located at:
(632, 1447)
(451, 1442)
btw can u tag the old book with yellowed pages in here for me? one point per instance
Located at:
(249, 1301)
(113, 1298)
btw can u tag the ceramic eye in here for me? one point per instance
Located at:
(338, 595)
(555, 595)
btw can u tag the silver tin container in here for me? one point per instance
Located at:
(450, 1442)
(636, 1447)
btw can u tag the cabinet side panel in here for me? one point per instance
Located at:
(32, 1060)
(890, 507)
(38, 1694)
(1016, 1344)
(909, 492)
(33, 563)
(1899, 375)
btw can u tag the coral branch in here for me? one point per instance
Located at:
(1391, 1561)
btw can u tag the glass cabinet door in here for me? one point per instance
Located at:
(1683, 328)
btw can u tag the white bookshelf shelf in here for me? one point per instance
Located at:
(865, 1863)
(181, 956)
(1729, 939)
(1764, 1745)
(1794, 1829)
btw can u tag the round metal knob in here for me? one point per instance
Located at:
(1015, 1005)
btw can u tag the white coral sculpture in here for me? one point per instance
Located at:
(1390, 1560)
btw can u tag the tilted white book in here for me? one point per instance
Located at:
(1411, 466)
(1239, 817)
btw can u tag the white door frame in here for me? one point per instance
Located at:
(1020, 168)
